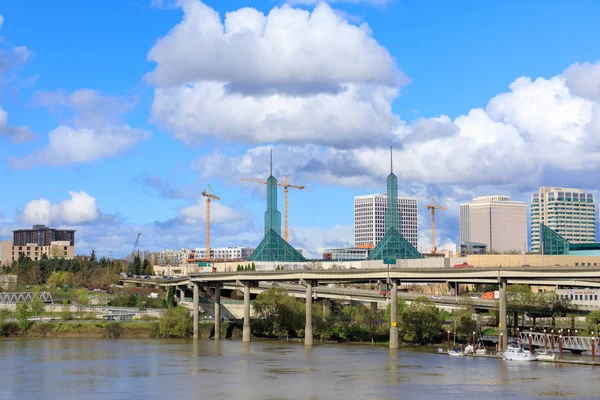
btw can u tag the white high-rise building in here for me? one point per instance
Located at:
(569, 212)
(496, 221)
(369, 219)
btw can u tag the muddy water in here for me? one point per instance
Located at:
(158, 369)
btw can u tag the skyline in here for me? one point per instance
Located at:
(116, 130)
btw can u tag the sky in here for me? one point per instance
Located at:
(116, 115)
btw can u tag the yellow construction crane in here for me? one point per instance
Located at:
(433, 207)
(208, 193)
(286, 185)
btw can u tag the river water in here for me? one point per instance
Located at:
(170, 369)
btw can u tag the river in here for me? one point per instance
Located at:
(172, 369)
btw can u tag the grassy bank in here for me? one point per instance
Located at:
(92, 330)
(99, 329)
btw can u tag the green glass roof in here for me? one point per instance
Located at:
(274, 248)
(393, 245)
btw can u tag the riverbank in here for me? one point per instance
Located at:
(103, 329)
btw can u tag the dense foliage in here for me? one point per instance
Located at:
(81, 271)
(282, 316)
(175, 323)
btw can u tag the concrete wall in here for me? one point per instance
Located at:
(6, 255)
(534, 260)
(6, 281)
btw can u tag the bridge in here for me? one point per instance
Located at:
(309, 279)
(25, 297)
(551, 341)
(369, 296)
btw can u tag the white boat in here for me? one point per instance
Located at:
(517, 354)
(456, 352)
(544, 355)
(478, 351)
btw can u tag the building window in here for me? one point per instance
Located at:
(65, 248)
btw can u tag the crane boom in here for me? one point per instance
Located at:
(433, 207)
(209, 196)
(286, 185)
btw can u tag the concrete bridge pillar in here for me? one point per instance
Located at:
(195, 309)
(502, 317)
(308, 334)
(246, 330)
(394, 316)
(217, 312)
(181, 294)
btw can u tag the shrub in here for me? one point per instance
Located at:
(114, 330)
(175, 323)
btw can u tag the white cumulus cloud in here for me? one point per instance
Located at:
(67, 145)
(97, 131)
(79, 209)
(290, 76)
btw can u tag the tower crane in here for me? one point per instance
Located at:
(433, 207)
(136, 245)
(208, 193)
(286, 185)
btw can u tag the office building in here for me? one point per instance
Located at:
(369, 219)
(33, 243)
(471, 248)
(569, 212)
(495, 221)
(346, 254)
(229, 253)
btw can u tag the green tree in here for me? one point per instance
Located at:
(253, 267)
(593, 322)
(83, 299)
(175, 323)
(147, 267)
(65, 313)
(37, 305)
(422, 321)
(137, 265)
(22, 316)
(282, 316)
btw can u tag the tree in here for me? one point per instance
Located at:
(281, 315)
(147, 267)
(422, 321)
(37, 305)
(66, 311)
(593, 321)
(22, 316)
(175, 323)
(137, 265)
(83, 298)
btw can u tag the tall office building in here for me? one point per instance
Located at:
(496, 221)
(569, 212)
(369, 219)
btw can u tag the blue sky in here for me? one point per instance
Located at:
(115, 115)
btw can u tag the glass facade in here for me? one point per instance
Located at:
(272, 216)
(393, 245)
(392, 212)
(552, 242)
(274, 248)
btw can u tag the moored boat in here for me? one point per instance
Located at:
(456, 352)
(544, 355)
(517, 354)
